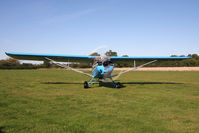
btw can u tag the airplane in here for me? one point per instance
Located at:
(102, 67)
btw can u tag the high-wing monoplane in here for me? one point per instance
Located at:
(102, 67)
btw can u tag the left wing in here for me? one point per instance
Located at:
(58, 58)
(119, 59)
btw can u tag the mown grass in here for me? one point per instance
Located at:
(55, 101)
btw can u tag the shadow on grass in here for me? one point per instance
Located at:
(60, 83)
(1, 128)
(110, 84)
(150, 83)
(105, 84)
(122, 84)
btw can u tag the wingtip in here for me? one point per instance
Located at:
(8, 54)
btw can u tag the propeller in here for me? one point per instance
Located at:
(101, 50)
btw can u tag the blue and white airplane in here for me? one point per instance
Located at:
(102, 67)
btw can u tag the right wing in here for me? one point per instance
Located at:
(55, 59)
(58, 58)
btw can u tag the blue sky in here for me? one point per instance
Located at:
(77, 27)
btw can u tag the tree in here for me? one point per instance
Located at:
(182, 55)
(111, 53)
(9, 64)
(195, 56)
(95, 54)
(125, 55)
(174, 56)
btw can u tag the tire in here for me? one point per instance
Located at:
(118, 85)
(85, 84)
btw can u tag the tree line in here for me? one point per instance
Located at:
(194, 61)
(11, 63)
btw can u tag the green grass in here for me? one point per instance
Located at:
(46, 101)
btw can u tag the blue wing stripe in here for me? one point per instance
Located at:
(143, 58)
(78, 58)
(49, 55)
(59, 58)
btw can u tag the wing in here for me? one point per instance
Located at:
(119, 59)
(58, 58)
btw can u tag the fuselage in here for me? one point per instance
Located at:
(102, 67)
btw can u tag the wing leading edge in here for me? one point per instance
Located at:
(115, 58)
(86, 59)
(58, 58)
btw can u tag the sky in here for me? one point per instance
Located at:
(80, 27)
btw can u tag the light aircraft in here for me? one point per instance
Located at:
(102, 67)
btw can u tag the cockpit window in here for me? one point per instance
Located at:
(99, 63)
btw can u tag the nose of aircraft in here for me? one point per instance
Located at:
(100, 69)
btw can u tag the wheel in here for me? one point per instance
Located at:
(118, 85)
(85, 84)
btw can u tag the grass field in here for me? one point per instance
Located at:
(50, 101)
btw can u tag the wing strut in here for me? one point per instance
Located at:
(67, 67)
(133, 69)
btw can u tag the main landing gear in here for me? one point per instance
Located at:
(85, 84)
(115, 85)
(92, 81)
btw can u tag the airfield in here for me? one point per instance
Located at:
(51, 101)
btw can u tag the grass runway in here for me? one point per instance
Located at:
(49, 101)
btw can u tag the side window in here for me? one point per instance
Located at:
(111, 63)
